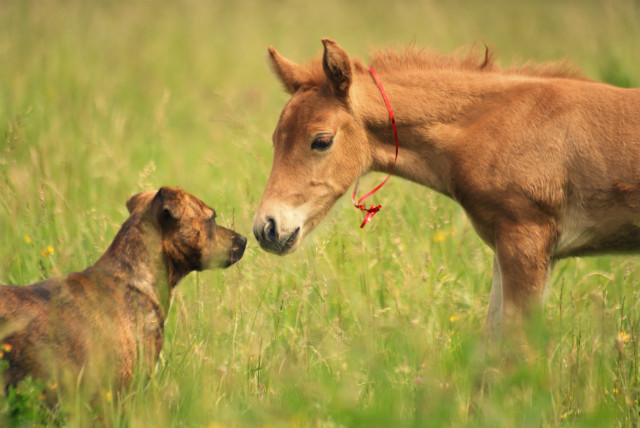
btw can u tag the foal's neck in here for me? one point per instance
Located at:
(431, 109)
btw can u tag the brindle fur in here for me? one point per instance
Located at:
(101, 323)
(545, 162)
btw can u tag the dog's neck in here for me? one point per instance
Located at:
(135, 258)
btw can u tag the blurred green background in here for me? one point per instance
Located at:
(374, 327)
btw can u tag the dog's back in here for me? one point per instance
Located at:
(23, 317)
(62, 327)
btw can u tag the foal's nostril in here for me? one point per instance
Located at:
(270, 229)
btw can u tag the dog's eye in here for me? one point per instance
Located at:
(322, 142)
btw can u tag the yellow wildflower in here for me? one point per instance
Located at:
(108, 396)
(442, 235)
(27, 239)
(439, 236)
(623, 337)
(48, 251)
(453, 318)
(6, 347)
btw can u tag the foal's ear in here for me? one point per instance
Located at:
(337, 67)
(291, 75)
(168, 204)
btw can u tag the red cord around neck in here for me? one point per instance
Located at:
(370, 212)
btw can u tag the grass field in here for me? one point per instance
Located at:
(374, 327)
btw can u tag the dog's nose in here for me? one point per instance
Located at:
(238, 248)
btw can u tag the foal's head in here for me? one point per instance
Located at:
(320, 148)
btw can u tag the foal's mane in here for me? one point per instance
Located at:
(469, 60)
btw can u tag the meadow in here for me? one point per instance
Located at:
(375, 327)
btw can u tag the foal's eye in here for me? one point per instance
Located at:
(322, 142)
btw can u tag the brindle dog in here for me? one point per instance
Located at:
(99, 324)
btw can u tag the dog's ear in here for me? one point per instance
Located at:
(134, 201)
(168, 204)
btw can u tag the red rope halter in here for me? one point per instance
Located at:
(373, 210)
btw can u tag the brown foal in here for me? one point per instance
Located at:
(545, 163)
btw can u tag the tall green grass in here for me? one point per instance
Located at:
(374, 327)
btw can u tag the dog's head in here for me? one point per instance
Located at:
(191, 239)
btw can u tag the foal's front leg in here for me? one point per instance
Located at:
(494, 315)
(523, 256)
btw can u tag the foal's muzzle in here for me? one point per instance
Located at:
(275, 238)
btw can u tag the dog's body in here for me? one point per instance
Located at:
(99, 324)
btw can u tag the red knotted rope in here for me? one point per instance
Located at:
(370, 212)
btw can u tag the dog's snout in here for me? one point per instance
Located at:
(240, 245)
(237, 249)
